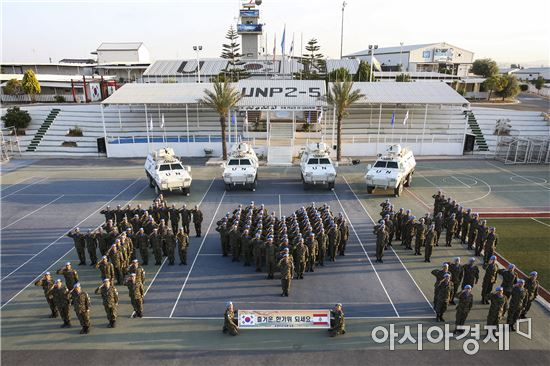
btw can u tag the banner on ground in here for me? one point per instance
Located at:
(296, 319)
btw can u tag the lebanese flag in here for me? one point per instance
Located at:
(320, 319)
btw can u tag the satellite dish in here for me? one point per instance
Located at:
(258, 2)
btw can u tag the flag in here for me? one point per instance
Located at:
(274, 46)
(162, 121)
(291, 52)
(320, 116)
(283, 42)
(151, 124)
(320, 319)
(308, 117)
(234, 118)
(406, 118)
(392, 118)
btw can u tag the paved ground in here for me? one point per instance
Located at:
(527, 102)
(41, 202)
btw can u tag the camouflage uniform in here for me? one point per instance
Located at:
(465, 302)
(47, 285)
(81, 304)
(499, 306)
(60, 297)
(286, 266)
(110, 302)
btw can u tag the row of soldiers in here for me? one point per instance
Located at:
(295, 244)
(60, 297)
(514, 295)
(139, 234)
(426, 232)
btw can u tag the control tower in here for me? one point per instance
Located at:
(250, 28)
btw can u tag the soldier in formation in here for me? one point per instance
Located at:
(47, 283)
(109, 296)
(294, 245)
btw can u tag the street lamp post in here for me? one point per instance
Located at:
(371, 49)
(342, 31)
(400, 54)
(197, 49)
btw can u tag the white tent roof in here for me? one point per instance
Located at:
(257, 94)
(169, 93)
(409, 93)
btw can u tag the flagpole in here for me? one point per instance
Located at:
(164, 128)
(301, 50)
(265, 56)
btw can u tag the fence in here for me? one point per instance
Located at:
(40, 98)
(512, 150)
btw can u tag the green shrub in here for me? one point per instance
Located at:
(60, 99)
(17, 118)
(524, 87)
(75, 132)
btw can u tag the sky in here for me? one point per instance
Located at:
(506, 31)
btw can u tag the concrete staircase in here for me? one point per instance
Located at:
(279, 150)
(476, 130)
(42, 130)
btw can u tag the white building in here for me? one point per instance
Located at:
(129, 52)
(430, 57)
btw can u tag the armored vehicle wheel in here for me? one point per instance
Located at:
(398, 190)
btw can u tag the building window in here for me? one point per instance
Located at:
(426, 54)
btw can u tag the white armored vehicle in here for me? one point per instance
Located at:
(241, 168)
(166, 172)
(316, 166)
(392, 170)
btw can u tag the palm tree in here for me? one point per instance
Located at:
(341, 97)
(222, 99)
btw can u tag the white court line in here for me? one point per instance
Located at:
(66, 194)
(16, 255)
(68, 251)
(540, 222)
(38, 209)
(429, 181)
(519, 175)
(197, 255)
(459, 181)
(210, 255)
(151, 283)
(16, 183)
(366, 254)
(27, 186)
(394, 252)
(62, 236)
(280, 208)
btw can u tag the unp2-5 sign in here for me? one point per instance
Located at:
(287, 92)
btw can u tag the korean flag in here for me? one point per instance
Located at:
(248, 319)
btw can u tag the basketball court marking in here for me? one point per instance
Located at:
(365, 251)
(30, 213)
(394, 252)
(23, 188)
(518, 175)
(197, 255)
(540, 222)
(72, 248)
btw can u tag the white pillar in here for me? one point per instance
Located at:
(147, 128)
(119, 118)
(229, 126)
(267, 128)
(187, 123)
(379, 122)
(333, 125)
(424, 130)
(103, 122)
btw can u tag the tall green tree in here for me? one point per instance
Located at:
(30, 84)
(509, 87)
(231, 52)
(484, 67)
(13, 87)
(403, 78)
(539, 83)
(313, 61)
(341, 74)
(341, 96)
(493, 83)
(222, 99)
(363, 71)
